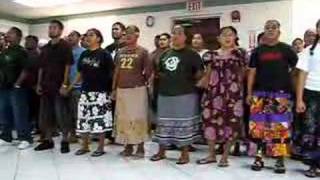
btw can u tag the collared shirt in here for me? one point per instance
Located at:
(13, 61)
(76, 51)
(54, 59)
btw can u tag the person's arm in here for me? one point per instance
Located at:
(109, 65)
(39, 87)
(198, 66)
(300, 104)
(23, 75)
(303, 68)
(76, 81)
(294, 76)
(252, 71)
(204, 81)
(251, 80)
(199, 74)
(25, 72)
(302, 76)
(66, 81)
(115, 77)
(115, 73)
(147, 67)
(78, 78)
(68, 63)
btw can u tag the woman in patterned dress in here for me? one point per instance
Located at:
(223, 100)
(94, 108)
(270, 96)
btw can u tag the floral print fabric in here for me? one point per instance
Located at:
(223, 100)
(270, 121)
(94, 113)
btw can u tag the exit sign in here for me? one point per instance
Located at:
(194, 5)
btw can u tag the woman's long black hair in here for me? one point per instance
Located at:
(314, 45)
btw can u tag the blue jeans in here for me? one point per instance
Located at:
(14, 114)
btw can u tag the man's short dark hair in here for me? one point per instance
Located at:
(34, 38)
(166, 34)
(59, 23)
(17, 31)
(76, 32)
(260, 36)
(132, 29)
(121, 25)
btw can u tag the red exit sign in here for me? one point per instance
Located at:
(194, 5)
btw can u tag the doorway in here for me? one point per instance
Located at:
(208, 27)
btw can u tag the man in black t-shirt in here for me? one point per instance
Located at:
(118, 31)
(178, 120)
(55, 61)
(269, 94)
(31, 46)
(14, 108)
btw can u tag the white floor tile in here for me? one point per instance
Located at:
(51, 165)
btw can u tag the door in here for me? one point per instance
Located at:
(208, 27)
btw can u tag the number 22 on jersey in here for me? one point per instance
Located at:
(126, 63)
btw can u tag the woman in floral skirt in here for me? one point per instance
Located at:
(223, 100)
(94, 108)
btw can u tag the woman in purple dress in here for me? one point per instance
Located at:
(223, 100)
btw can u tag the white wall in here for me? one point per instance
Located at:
(5, 25)
(305, 15)
(253, 17)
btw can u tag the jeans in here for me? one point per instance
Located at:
(14, 113)
(55, 110)
(73, 103)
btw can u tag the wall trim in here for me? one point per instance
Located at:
(135, 10)
(15, 18)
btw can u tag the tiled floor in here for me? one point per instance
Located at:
(51, 165)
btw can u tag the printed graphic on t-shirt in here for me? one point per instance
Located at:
(271, 56)
(7, 58)
(172, 63)
(127, 61)
(91, 61)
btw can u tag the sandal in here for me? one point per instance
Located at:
(97, 153)
(157, 157)
(258, 164)
(280, 167)
(192, 149)
(127, 152)
(81, 152)
(223, 164)
(311, 173)
(182, 161)
(139, 154)
(206, 161)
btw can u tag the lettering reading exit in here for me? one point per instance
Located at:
(194, 5)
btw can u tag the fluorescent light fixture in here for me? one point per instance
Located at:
(45, 3)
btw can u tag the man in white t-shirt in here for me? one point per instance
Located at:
(308, 99)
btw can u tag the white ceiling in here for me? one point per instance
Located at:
(8, 7)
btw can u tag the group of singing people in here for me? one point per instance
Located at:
(177, 96)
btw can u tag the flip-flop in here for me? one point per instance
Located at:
(258, 164)
(157, 158)
(223, 164)
(182, 162)
(311, 173)
(126, 153)
(279, 167)
(81, 152)
(139, 155)
(97, 153)
(205, 161)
